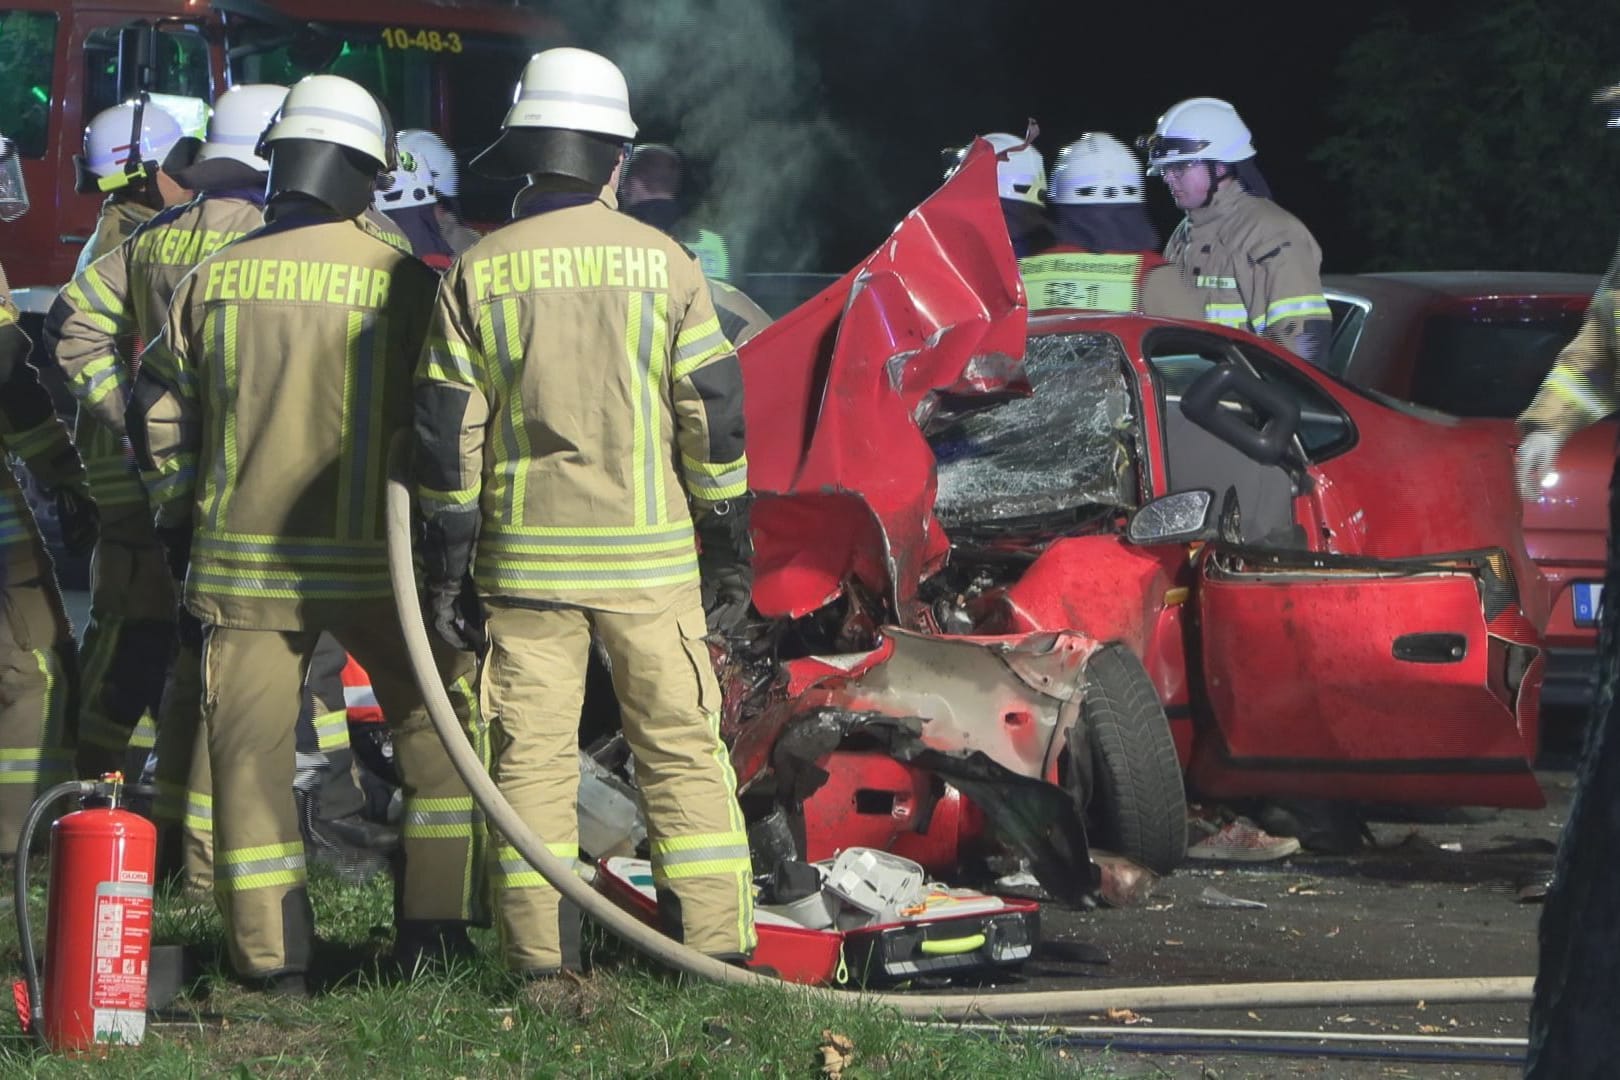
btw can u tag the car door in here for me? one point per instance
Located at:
(1347, 674)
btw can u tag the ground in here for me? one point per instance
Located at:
(1438, 896)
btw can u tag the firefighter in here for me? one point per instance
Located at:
(1107, 252)
(261, 417)
(1255, 266)
(578, 416)
(37, 669)
(1021, 184)
(441, 164)
(137, 183)
(651, 193)
(409, 201)
(1579, 962)
(132, 635)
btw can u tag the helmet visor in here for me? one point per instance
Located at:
(1159, 147)
(13, 192)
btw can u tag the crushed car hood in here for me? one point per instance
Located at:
(836, 391)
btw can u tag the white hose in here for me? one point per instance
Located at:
(1104, 1031)
(987, 1004)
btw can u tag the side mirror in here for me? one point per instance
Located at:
(1179, 518)
(1277, 413)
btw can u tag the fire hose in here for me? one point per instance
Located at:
(667, 951)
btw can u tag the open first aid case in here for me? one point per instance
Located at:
(937, 933)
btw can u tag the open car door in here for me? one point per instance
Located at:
(1374, 680)
(1405, 671)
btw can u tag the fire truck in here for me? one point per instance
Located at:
(447, 66)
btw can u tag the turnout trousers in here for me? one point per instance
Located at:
(532, 689)
(128, 647)
(252, 680)
(38, 682)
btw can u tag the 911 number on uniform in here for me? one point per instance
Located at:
(397, 37)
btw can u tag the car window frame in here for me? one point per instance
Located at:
(1239, 352)
(1364, 305)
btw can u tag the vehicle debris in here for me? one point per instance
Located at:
(1212, 897)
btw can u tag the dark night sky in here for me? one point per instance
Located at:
(895, 82)
(1077, 67)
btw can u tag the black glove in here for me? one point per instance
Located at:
(76, 514)
(176, 541)
(725, 563)
(456, 614)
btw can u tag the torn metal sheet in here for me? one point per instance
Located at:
(937, 310)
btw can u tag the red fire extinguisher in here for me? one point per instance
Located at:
(98, 930)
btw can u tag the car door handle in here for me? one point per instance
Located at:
(1431, 648)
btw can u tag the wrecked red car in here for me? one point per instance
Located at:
(1016, 575)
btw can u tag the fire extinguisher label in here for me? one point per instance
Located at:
(122, 952)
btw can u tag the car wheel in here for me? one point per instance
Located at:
(1136, 805)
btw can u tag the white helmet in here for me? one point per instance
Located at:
(1096, 169)
(330, 108)
(431, 150)
(575, 90)
(1198, 129)
(1020, 169)
(109, 139)
(240, 117)
(411, 184)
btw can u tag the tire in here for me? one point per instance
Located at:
(1136, 805)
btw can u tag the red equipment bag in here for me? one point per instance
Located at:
(951, 933)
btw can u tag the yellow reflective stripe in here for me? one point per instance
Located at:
(698, 338)
(512, 870)
(144, 737)
(671, 845)
(514, 353)
(1574, 387)
(110, 303)
(657, 354)
(1235, 315)
(432, 500)
(97, 378)
(1303, 307)
(7, 316)
(634, 355)
(729, 485)
(199, 811)
(508, 578)
(446, 360)
(332, 730)
(559, 533)
(259, 867)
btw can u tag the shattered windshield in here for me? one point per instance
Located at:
(1062, 448)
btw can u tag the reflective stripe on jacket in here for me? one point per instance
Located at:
(576, 392)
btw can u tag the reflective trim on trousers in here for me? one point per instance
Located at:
(261, 867)
(512, 870)
(450, 818)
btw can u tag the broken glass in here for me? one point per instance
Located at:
(1064, 447)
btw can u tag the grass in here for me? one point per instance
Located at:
(625, 1019)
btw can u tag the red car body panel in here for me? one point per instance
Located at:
(1566, 530)
(1278, 670)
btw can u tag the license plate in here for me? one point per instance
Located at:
(1588, 597)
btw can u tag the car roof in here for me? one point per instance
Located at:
(1464, 284)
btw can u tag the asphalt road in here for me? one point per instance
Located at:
(1437, 896)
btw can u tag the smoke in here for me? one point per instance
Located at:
(722, 81)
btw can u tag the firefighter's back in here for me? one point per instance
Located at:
(306, 334)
